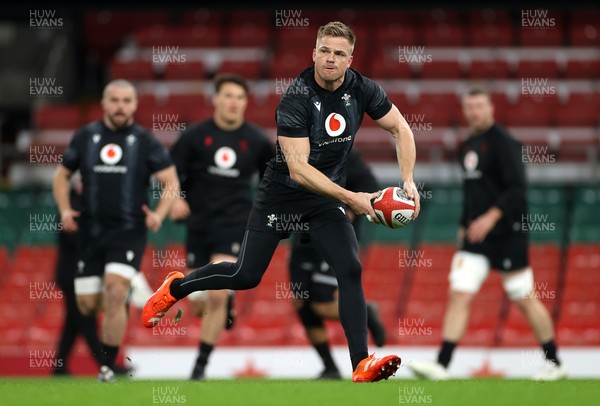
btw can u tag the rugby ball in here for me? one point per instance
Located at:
(393, 207)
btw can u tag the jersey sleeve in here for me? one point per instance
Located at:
(512, 173)
(72, 156)
(377, 103)
(292, 116)
(158, 157)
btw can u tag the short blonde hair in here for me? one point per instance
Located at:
(337, 29)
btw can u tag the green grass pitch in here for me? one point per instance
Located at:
(484, 392)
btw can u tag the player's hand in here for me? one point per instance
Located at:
(481, 227)
(180, 210)
(67, 218)
(360, 204)
(153, 220)
(412, 192)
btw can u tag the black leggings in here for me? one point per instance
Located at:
(335, 242)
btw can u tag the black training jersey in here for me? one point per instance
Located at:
(359, 175)
(494, 175)
(329, 119)
(115, 171)
(216, 169)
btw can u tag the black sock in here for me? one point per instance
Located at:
(325, 354)
(357, 357)
(108, 354)
(445, 354)
(205, 350)
(549, 349)
(175, 289)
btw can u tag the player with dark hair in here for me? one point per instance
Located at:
(315, 285)
(116, 158)
(216, 161)
(491, 235)
(317, 121)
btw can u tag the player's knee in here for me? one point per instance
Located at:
(88, 305)
(519, 286)
(308, 317)
(461, 299)
(247, 280)
(197, 307)
(115, 294)
(217, 298)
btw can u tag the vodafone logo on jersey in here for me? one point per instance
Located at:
(110, 154)
(471, 160)
(335, 124)
(225, 157)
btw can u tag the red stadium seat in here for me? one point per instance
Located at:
(487, 35)
(261, 110)
(435, 109)
(246, 69)
(585, 35)
(395, 33)
(491, 69)
(289, 63)
(531, 111)
(438, 16)
(537, 69)
(58, 117)
(543, 28)
(133, 70)
(583, 69)
(444, 35)
(294, 38)
(585, 28)
(192, 70)
(488, 16)
(440, 70)
(203, 16)
(579, 110)
(249, 34)
(190, 36)
(386, 64)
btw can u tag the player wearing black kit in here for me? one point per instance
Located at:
(492, 235)
(302, 190)
(315, 284)
(216, 161)
(116, 158)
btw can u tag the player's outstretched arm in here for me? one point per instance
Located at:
(394, 123)
(296, 152)
(170, 193)
(60, 189)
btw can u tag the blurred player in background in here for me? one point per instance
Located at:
(75, 323)
(116, 158)
(315, 285)
(216, 161)
(491, 236)
(317, 121)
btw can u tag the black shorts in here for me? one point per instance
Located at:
(281, 210)
(202, 245)
(113, 246)
(504, 253)
(310, 273)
